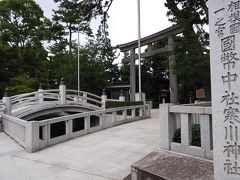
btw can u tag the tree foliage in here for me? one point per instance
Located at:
(192, 53)
(23, 29)
(25, 59)
(96, 70)
(76, 15)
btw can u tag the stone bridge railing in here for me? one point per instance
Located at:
(60, 96)
(35, 135)
(12, 105)
(183, 116)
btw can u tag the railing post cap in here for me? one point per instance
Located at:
(62, 81)
(7, 93)
(104, 92)
(40, 86)
(121, 93)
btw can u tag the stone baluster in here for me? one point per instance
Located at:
(186, 129)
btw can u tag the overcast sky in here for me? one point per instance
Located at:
(123, 18)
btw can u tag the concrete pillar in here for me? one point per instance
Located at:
(133, 113)
(125, 114)
(138, 97)
(140, 111)
(132, 75)
(102, 120)
(45, 133)
(32, 136)
(163, 101)
(148, 111)
(68, 124)
(62, 92)
(172, 77)
(87, 123)
(104, 98)
(167, 126)
(114, 117)
(122, 97)
(8, 102)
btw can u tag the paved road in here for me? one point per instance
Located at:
(104, 155)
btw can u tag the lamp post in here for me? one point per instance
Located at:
(78, 60)
(139, 53)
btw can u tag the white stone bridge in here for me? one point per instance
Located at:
(40, 119)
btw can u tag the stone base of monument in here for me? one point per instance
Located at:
(161, 165)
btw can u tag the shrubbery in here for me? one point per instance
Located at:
(196, 135)
(110, 104)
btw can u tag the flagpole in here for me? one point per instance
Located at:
(139, 53)
(78, 61)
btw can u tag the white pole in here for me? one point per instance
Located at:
(78, 61)
(139, 53)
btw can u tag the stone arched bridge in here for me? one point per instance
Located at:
(46, 117)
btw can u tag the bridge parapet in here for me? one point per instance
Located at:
(36, 135)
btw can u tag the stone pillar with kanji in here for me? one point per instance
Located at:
(224, 16)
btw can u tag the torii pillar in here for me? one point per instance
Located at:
(132, 75)
(172, 77)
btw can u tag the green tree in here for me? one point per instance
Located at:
(22, 84)
(96, 70)
(192, 54)
(96, 57)
(23, 29)
(76, 14)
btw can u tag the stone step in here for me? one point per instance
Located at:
(162, 165)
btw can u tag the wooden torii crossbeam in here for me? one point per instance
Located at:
(148, 40)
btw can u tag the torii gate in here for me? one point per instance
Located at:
(148, 40)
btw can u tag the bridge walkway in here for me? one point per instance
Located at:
(103, 155)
